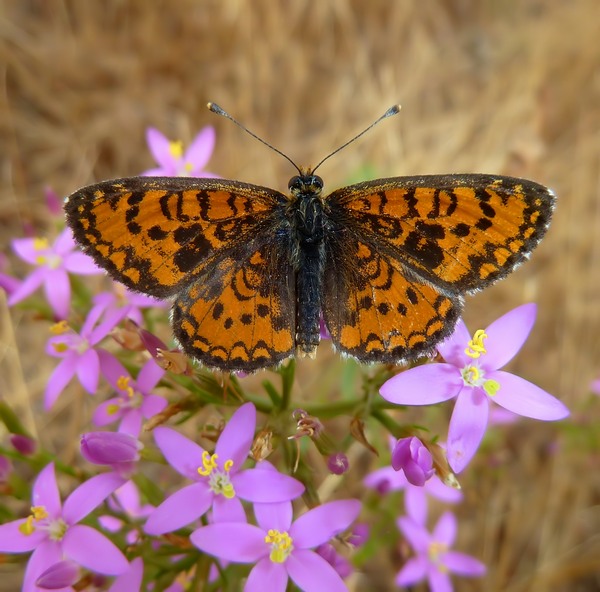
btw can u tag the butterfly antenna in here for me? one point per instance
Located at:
(216, 109)
(394, 110)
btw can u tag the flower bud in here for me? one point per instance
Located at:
(411, 456)
(338, 463)
(109, 448)
(23, 444)
(59, 575)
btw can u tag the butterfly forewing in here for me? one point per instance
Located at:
(459, 232)
(156, 234)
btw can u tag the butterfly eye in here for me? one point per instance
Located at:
(295, 183)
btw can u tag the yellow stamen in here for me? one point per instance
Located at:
(209, 463)
(123, 385)
(59, 328)
(491, 387)
(60, 348)
(27, 527)
(39, 244)
(37, 513)
(473, 373)
(476, 347)
(281, 545)
(176, 148)
(112, 408)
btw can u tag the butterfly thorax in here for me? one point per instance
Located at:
(305, 214)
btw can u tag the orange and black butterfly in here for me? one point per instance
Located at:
(251, 270)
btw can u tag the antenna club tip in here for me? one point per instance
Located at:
(214, 107)
(393, 110)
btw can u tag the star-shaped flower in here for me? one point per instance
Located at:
(471, 375)
(219, 481)
(52, 533)
(173, 161)
(53, 264)
(281, 548)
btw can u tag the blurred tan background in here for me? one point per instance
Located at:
(508, 87)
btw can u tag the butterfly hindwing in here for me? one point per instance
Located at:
(374, 312)
(240, 315)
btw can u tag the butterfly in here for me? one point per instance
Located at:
(251, 271)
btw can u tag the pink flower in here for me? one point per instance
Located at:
(54, 263)
(280, 548)
(134, 400)
(78, 355)
(219, 481)
(52, 532)
(411, 456)
(471, 375)
(173, 161)
(434, 557)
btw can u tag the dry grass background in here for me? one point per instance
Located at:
(508, 87)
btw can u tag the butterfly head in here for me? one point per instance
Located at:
(305, 184)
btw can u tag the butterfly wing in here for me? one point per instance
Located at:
(414, 245)
(240, 315)
(156, 234)
(221, 248)
(461, 232)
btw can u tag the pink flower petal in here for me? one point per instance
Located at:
(436, 488)
(322, 523)
(524, 398)
(235, 440)
(267, 575)
(423, 385)
(151, 405)
(64, 242)
(277, 516)
(266, 486)
(467, 427)
(311, 573)
(445, 529)
(199, 152)
(25, 249)
(413, 571)
(93, 550)
(88, 371)
(180, 509)
(241, 543)
(439, 581)
(28, 286)
(149, 376)
(415, 533)
(131, 580)
(507, 334)
(453, 348)
(12, 540)
(462, 564)
(102, 417)
(58, 292)
(228, 510)
(415, 503)
(181, 453)
(60, 377)
(131, 423)
(81, 264)
(46, 555)
(45, 491)
(160, 147)
(90, 495)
